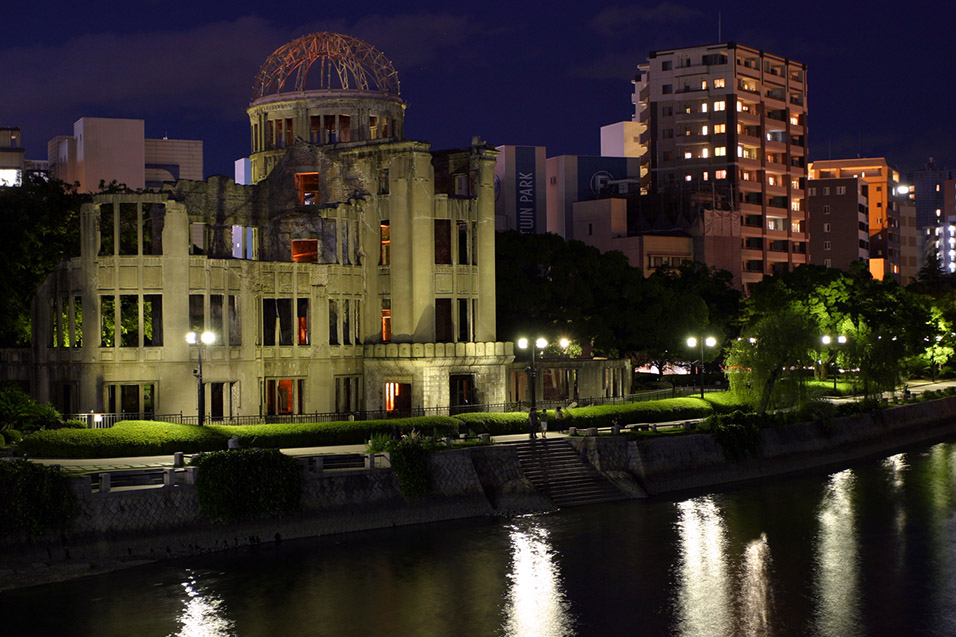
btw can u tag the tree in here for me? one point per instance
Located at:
(767, 347)
(40, 226)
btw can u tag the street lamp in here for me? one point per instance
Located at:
(840, 341)
(540, 343)
(206, 338)
(710, 342)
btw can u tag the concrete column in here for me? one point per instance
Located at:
(485, 228)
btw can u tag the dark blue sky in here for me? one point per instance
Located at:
(881, 78)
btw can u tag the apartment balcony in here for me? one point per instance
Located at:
(693, 116)
(751, 254)
(750, 208)
(753, 229)
(749, 140)
(749, 164)
(688, 140)
(799, 258)
(776, 146)
(799, 236)
(775, 103)
(749, 185)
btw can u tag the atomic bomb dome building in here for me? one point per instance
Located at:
(356, 274)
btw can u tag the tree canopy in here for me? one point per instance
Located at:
(40, 226)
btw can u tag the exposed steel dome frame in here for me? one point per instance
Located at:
(355, 64)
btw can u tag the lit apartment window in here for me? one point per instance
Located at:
(826, 227)
(826, 245)
(720, 151)
(795, 120)
(771, 180)
(720, 82)
(688, 154)
(720, 105)
(686, 177)
(720, 128)
(795, 205)
(740, 151)
(703, 129)
(704, 152)
(703, 107)
(720, 174)
(703, 85)
(706, 175)
(740, 106)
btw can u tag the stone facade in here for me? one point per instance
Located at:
(356, 275)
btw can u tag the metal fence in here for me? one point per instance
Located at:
(104, 420)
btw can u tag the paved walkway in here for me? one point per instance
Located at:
(86, 465)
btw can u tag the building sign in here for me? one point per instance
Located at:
(526, 198)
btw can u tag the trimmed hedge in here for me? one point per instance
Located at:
(630, 413)
(725, 402)
(247, 483)
(513, 422)
(147, 437)
(34, 498)
(333, 433)
(126, 438)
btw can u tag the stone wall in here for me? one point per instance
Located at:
(125, 526)
(674, 463)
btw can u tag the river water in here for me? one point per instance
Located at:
(869, 550)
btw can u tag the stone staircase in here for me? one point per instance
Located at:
(554, 468)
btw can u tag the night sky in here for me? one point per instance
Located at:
(880, 76)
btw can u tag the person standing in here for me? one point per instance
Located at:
(533, 423)
(544, 424)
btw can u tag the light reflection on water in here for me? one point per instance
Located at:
(755, 589)
(703, 598)
(535, 601)
(204, 612)
(836, 564)
(707, 579)
(897, 466)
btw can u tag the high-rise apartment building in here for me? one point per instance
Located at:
(893, 234)
(838, 217)
(11, 157)
(726, 132)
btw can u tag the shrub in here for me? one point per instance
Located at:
(126, 438)
(410, 465)
(333, 433)
(247, 483)
(3, 441)
(34, 498)
(737, 433)
(515, 422)
(13, 436)
(629, 413)
(725, 402)
(19, 411)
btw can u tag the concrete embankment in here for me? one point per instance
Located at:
(122, 527)
(674, 463)
(127, 526)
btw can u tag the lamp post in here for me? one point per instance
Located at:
(539, 343)
(692, 342)
(206, 338)
(826, 341)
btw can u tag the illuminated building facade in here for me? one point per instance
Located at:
(11, 157)
(357, 274)
(726, 129)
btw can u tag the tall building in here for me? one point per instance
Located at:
(726, 131)
(11, 157)
(893, 235)
(927, 184)
(111, 149)
(838, 214)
